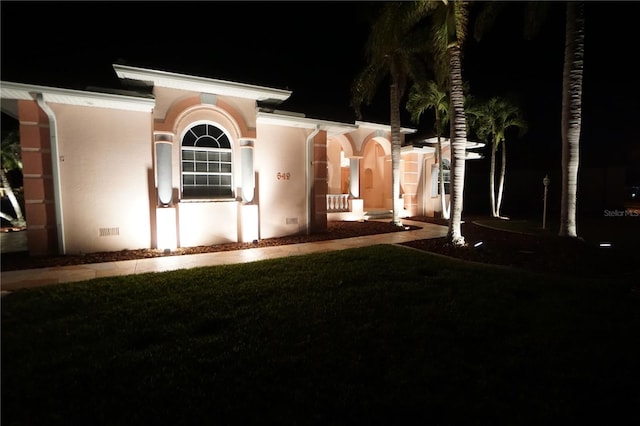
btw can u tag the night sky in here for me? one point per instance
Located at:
(279, 44)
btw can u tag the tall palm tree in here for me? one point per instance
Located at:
(450, 31)
(535, 13)
(425, 96)
(491, 120)
(571, 115)
(394, 43)
(11, 160)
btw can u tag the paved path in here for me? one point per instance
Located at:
(13, 280)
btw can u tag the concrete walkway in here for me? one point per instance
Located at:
(14, 280)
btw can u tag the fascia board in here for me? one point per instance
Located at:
(385, 127)
(201, 84)
(332, 128)
(20, 91)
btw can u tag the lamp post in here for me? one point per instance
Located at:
(545, 182)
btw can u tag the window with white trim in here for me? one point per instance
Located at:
(435, 178)
(206, 163)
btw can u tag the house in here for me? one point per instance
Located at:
(181, 161)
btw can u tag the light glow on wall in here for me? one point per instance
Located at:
(166, 228)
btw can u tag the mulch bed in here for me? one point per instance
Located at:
(538, 253)
(335, 230)
(531, 252)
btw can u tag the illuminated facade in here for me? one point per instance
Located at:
(186, 161)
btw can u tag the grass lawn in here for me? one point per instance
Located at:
(376, 335)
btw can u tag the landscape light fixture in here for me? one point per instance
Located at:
(546, 181)
(606, 245)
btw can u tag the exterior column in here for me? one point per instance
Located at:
(164, 147)
(320, 185)
(249, 221)
(248, 172)
(166, 213)
(40, 211)
(354, 177)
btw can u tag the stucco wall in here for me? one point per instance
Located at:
(207, 223)
(106, 178)
(281, 180)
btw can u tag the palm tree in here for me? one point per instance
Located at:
(425, 96)
(571, 115)
(11, 160)
(394, 43)
(449, 34)
(536, 11)
(491, 120)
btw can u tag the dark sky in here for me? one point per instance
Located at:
(315, 49)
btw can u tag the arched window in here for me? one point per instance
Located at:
(206, 163)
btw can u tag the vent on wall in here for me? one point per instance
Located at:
(292, 221)
(109, 232)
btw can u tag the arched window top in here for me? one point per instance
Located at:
(206, 136)
(207, 161)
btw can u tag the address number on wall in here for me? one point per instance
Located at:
(283, 176)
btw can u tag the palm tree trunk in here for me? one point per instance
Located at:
(503, 171)
(395, 151)
(571, 115)
(443, 197)
(19, 219)
(492, 180)
(458, 146)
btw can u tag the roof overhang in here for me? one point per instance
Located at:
(201, 84)
(408, 149)
(298, 120)
(429, 145)
(11, 92)
(445, 143)
(384, 127)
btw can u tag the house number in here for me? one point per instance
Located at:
(283, 176)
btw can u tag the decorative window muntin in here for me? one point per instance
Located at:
(206, 163)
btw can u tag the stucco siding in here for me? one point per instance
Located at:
(105, 159)
(280, 167)
(207, 223)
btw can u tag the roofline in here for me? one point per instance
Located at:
(446, 141)
(201, 84)
(333, 128)
(386, 127)
(20, 91)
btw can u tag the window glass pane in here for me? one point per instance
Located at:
(189, 139)
(224, 142)
(215, 132)
(207, 167)
(207, 142)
